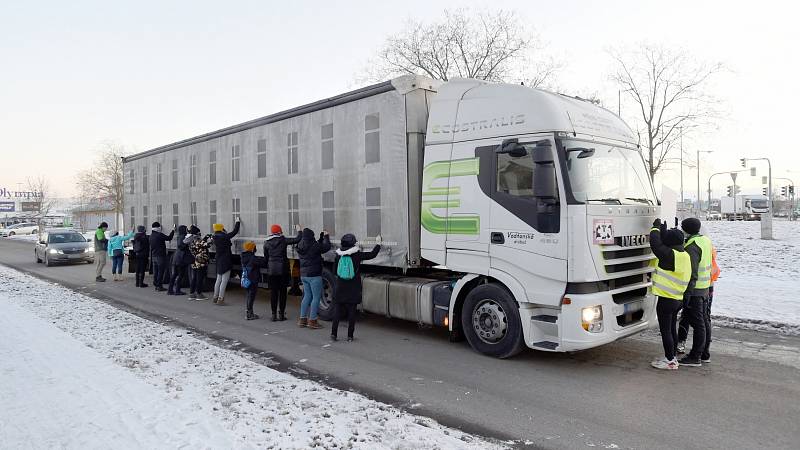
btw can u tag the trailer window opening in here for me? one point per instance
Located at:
(326, 146)
(174, 174)
(193, 213)
(261, 152)
(610, 173)
(373, 207)
(144, 214)
(236, 204)
(192, 170)
(235, 156)
(131, 182)
(145, 179)
(158, 177)
(175, 216)
(159, 213)
(212, 214)
(212, 167)
(328, 212)
(294, 211)
(133, 215)
(372, 138)
(263, 223)
(291, 141)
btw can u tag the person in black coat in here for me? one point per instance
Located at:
(223, 259)
(348, 291)
(141, 249)
(252, 264)
(310, 251)
(278, 269)
(158, 254)
(180, 263)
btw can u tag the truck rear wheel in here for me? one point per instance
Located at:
(490, 321)
(326, 307)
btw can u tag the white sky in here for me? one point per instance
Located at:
(148, 73)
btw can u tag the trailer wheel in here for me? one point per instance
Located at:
(490, 321)
(326, 307)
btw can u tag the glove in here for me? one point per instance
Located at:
(321, 235)
(378, 239)
(663, 228)
(238, 219)
(657, 223)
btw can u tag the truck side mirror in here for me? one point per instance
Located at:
(513, 148)
(544, 173)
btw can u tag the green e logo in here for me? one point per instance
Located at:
(447, 197)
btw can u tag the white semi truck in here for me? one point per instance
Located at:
(513, 216)
(744, 207)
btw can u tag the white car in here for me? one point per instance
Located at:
(20, 228)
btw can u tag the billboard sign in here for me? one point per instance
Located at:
(8, 206)
(30, 206)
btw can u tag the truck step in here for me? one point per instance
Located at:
(547, 345)
(545, 318)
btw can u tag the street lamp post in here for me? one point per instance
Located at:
(766, 225)
(699, 196)
(721, 173)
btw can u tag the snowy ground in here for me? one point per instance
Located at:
(78, 373)
(759, 286)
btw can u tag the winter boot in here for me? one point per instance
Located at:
(214, 300)
(179, 293)
(302, 322)
(100, 279)
(283, 316)
(314, 324)
(251, 316)
(334, 338)
(192, 296)
(220, 301)
(274, 318)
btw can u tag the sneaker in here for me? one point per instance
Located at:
(349, 338)
(681, 347)
(314, 324)
(143, 285)
(214, 300)
(282, 317)
(334, 338)
(179, 293)
(192, 297)
(664, 364)
(691, 362)
(705, 359)
(100, 279)
(200, 296)
(274, 318)
(220, 301)
(251, 316)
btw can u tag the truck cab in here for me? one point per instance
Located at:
(544, 203)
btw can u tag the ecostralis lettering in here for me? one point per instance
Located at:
(498, 122)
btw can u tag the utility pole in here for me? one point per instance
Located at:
(699, 196)
(735, 212)
(681, 136)
(766, 225)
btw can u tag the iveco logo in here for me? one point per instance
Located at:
(630, 241)
(497, 122)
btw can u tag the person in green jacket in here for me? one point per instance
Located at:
(100, 249)
(116, 250)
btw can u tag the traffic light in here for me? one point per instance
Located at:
(730, 191)
(763, 191)
(791, 190)
(743, 161)
(783, 191)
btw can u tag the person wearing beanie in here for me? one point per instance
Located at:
(181, 260)
(141, 251)
(199, 250)
(158, 254)
(100, 249)
(251, 270)
(697, 311)
(278, 269)
(670, 280)
(310, 251)
(348, 282)
(223, 259)
(116, 250)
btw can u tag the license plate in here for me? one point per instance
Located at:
(76, 256)
(632, 307)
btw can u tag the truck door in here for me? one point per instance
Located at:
(527, 234)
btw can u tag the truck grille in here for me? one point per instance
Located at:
(629, 271)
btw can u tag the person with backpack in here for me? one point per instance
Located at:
(158, 254)
(116, 250)
(251, 275)
(223, 259)
(278, 268)
(181, 260)
(141, 250)
(199, 249)
(310, 251)
(100, 248)
(348, 282)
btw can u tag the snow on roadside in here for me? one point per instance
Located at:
(260, 407)
(759, 286)
(24, 237)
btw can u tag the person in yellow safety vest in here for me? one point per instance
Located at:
(706, 271)
(696, 313)
(670, 280)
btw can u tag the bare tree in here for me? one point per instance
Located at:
(492, 46)
(104, 182)
(44, 199)
(669, 89)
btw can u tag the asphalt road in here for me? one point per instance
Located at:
(609, 397)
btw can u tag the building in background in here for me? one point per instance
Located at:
(87, 215)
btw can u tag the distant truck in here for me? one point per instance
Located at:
(744, 207)
(512, 216)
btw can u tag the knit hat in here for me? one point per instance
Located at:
(249, 246)
(348, 241)
(276, 229)
(672, 237)
(691, 225)
(103, 225)
(182, 229)
(140, 229)
(218, 227)
(194, 230)
(156, 225)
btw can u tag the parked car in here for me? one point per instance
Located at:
(63, 247)
(20, 228)
(713, 216)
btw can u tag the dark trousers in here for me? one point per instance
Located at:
(158, 270)
(667, 313)
(198, 279)
(177, 278)
(141, 268)
(277, 293)
(251, 297)
(683, 326)
(695, 312)
(344, 309)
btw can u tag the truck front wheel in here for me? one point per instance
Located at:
(490, 320)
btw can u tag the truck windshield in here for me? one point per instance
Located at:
(607, 174)
(758, 204)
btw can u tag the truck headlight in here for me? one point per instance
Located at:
(592, 319)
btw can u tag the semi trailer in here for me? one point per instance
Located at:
(512, 216)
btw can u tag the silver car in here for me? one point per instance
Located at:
(19, 229)
(63, 247)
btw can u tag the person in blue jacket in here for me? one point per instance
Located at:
(116, 251)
